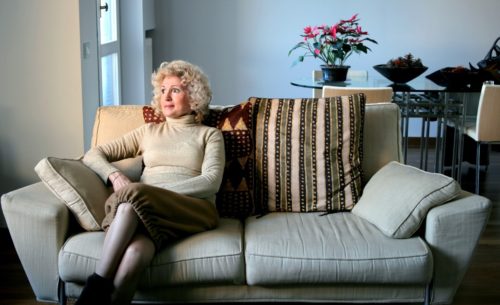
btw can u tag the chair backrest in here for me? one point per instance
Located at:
(488, 111)
(373, 95)
(357, 74)
(317, 75)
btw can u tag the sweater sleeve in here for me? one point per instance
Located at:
(207, 184)
(100, 157)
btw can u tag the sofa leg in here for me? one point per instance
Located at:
(427, 296)
(62, 293)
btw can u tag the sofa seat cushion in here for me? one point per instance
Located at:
(214, 256)
(306, 248)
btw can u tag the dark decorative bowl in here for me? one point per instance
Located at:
(451, 77)
(399, 75)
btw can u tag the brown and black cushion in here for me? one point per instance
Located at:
(150, 116)
(235, 196)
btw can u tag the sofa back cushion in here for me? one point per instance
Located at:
(112, 122)
(382, 137)
(308, 153)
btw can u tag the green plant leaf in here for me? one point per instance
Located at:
(299, 59)
(346, 48)
(371, 40)
(298, 45)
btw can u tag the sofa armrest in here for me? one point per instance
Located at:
(452, 232)
(38, 223)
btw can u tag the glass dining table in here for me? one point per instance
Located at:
(421, 99)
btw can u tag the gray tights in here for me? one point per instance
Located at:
(126, 253)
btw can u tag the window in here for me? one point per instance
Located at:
(109, 53)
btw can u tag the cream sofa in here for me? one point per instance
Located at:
(284, 257)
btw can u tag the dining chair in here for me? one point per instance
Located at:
(317, 75)
(372, 94)
(486, 128)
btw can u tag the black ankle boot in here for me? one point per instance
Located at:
(97, 291)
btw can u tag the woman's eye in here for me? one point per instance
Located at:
(172, 90)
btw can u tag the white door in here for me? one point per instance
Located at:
(109, 53)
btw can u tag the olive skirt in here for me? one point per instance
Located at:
(166, 215)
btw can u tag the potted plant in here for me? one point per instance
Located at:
(333, 45)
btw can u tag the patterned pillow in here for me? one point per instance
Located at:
(308, 153)
(235, 196)
(149, 115)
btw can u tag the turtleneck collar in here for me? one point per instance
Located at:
(187, 120)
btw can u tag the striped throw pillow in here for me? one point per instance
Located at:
(308, 153)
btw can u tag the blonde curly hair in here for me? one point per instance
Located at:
(193, 80)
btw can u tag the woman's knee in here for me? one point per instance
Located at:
(125, 209)
(140, 251)
(135, 191)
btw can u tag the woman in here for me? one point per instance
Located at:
(184, 163)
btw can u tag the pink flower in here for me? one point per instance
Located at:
(310, 32)
(350, 20)
(360, 32)
(333, 31)
(333, 44)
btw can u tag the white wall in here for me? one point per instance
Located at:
(136, 17)
(89, 66)
(243, 44)
(40, 86)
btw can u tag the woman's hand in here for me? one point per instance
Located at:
(119, 180)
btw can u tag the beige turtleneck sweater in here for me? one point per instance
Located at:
(179, 155)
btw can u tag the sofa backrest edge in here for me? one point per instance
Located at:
(382, 137)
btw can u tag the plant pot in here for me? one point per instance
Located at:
(334, 73)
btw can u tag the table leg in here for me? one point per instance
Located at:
(406, 101)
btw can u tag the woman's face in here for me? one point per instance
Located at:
(174, 99)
